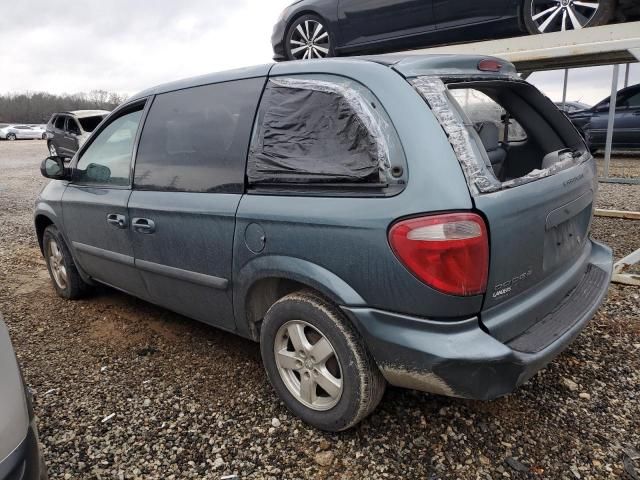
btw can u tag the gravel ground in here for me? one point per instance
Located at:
(124, 389)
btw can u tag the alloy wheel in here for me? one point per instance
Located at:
(55, 258)
(308, 365)
(11, 136)
(52, 150)
(561, 15)
(310, 39)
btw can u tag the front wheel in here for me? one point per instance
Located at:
(62, 270)
(11, 136)
(544, 16)
(318, 364)
(307, 38)
(44, 136)
(53, 151)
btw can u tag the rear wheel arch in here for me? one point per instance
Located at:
(268, 279)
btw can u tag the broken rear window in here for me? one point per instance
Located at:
(504, 132)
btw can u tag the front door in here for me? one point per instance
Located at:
(95, 205)
(363, 21)
(189, 179)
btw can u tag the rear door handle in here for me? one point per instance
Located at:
(144, 225)
(117, 220)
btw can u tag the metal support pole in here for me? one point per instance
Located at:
(626, 75)
(612, 118)
(564, 89)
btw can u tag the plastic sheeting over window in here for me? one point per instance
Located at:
(316, 131)
(479, 178)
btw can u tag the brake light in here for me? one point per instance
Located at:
(447, 252)
(489, 65)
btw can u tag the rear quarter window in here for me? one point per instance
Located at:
(196, 140)
(320, 130)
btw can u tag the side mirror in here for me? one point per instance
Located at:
(98, 173)
(53, 167)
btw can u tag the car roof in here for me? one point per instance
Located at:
(407, 64)
(86, 113)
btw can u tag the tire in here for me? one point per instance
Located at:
(552, 14)
(53, 151)
(361, 385)
(44, 136)
(298, 46)
(63, 272)
(12, 137)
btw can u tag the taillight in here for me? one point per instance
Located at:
(489, 65)
(447, 252)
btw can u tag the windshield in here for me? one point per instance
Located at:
(89, 124)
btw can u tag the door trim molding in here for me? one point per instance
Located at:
(104, 254)
(184, 275)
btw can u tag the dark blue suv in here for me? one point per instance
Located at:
(419, 221)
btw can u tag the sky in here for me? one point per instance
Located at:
(124, 46)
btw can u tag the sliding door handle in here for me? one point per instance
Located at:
(144, 225)
(117, 220)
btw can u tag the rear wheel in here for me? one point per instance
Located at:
(308, 38)
(44, 136)
(11, 136)
(544, 16)
(318, 364)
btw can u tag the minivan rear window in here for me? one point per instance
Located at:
(504, 132)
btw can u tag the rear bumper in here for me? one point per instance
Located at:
(460, 359)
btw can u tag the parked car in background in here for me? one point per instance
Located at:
(320, 28)
(571, 107)
(21, 132)
(67, 131)
(20, 455)
(593, 122)
(325, 210)
(42, 128)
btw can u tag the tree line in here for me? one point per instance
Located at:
(37, 107)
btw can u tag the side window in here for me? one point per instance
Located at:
(319, 130)
(107, 161)
(196, 140)
(59, 124)
(634, 101)
(72, 126)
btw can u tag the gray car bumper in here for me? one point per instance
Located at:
(461, 359)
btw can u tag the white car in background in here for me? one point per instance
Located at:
(21, 132)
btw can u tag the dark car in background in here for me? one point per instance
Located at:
(67, 131)
(320, 28)
(369, 221)
(571, 107)
(593, 122)
(20, 456)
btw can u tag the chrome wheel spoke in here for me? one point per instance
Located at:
(322, 49)
(593, 5)
(321, 351)
(299, 49)
(575, 20)
(544, 12)
(307, 389)
(302, 34)
(298, 337)
(317, 30)
(548, 21)
(322, 37)
(297, 42)
(564, 20)
(288, 360)
(328, 382)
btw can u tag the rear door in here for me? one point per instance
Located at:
(189, 179)
(362, 21)
(95, 204)
(71, 134)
